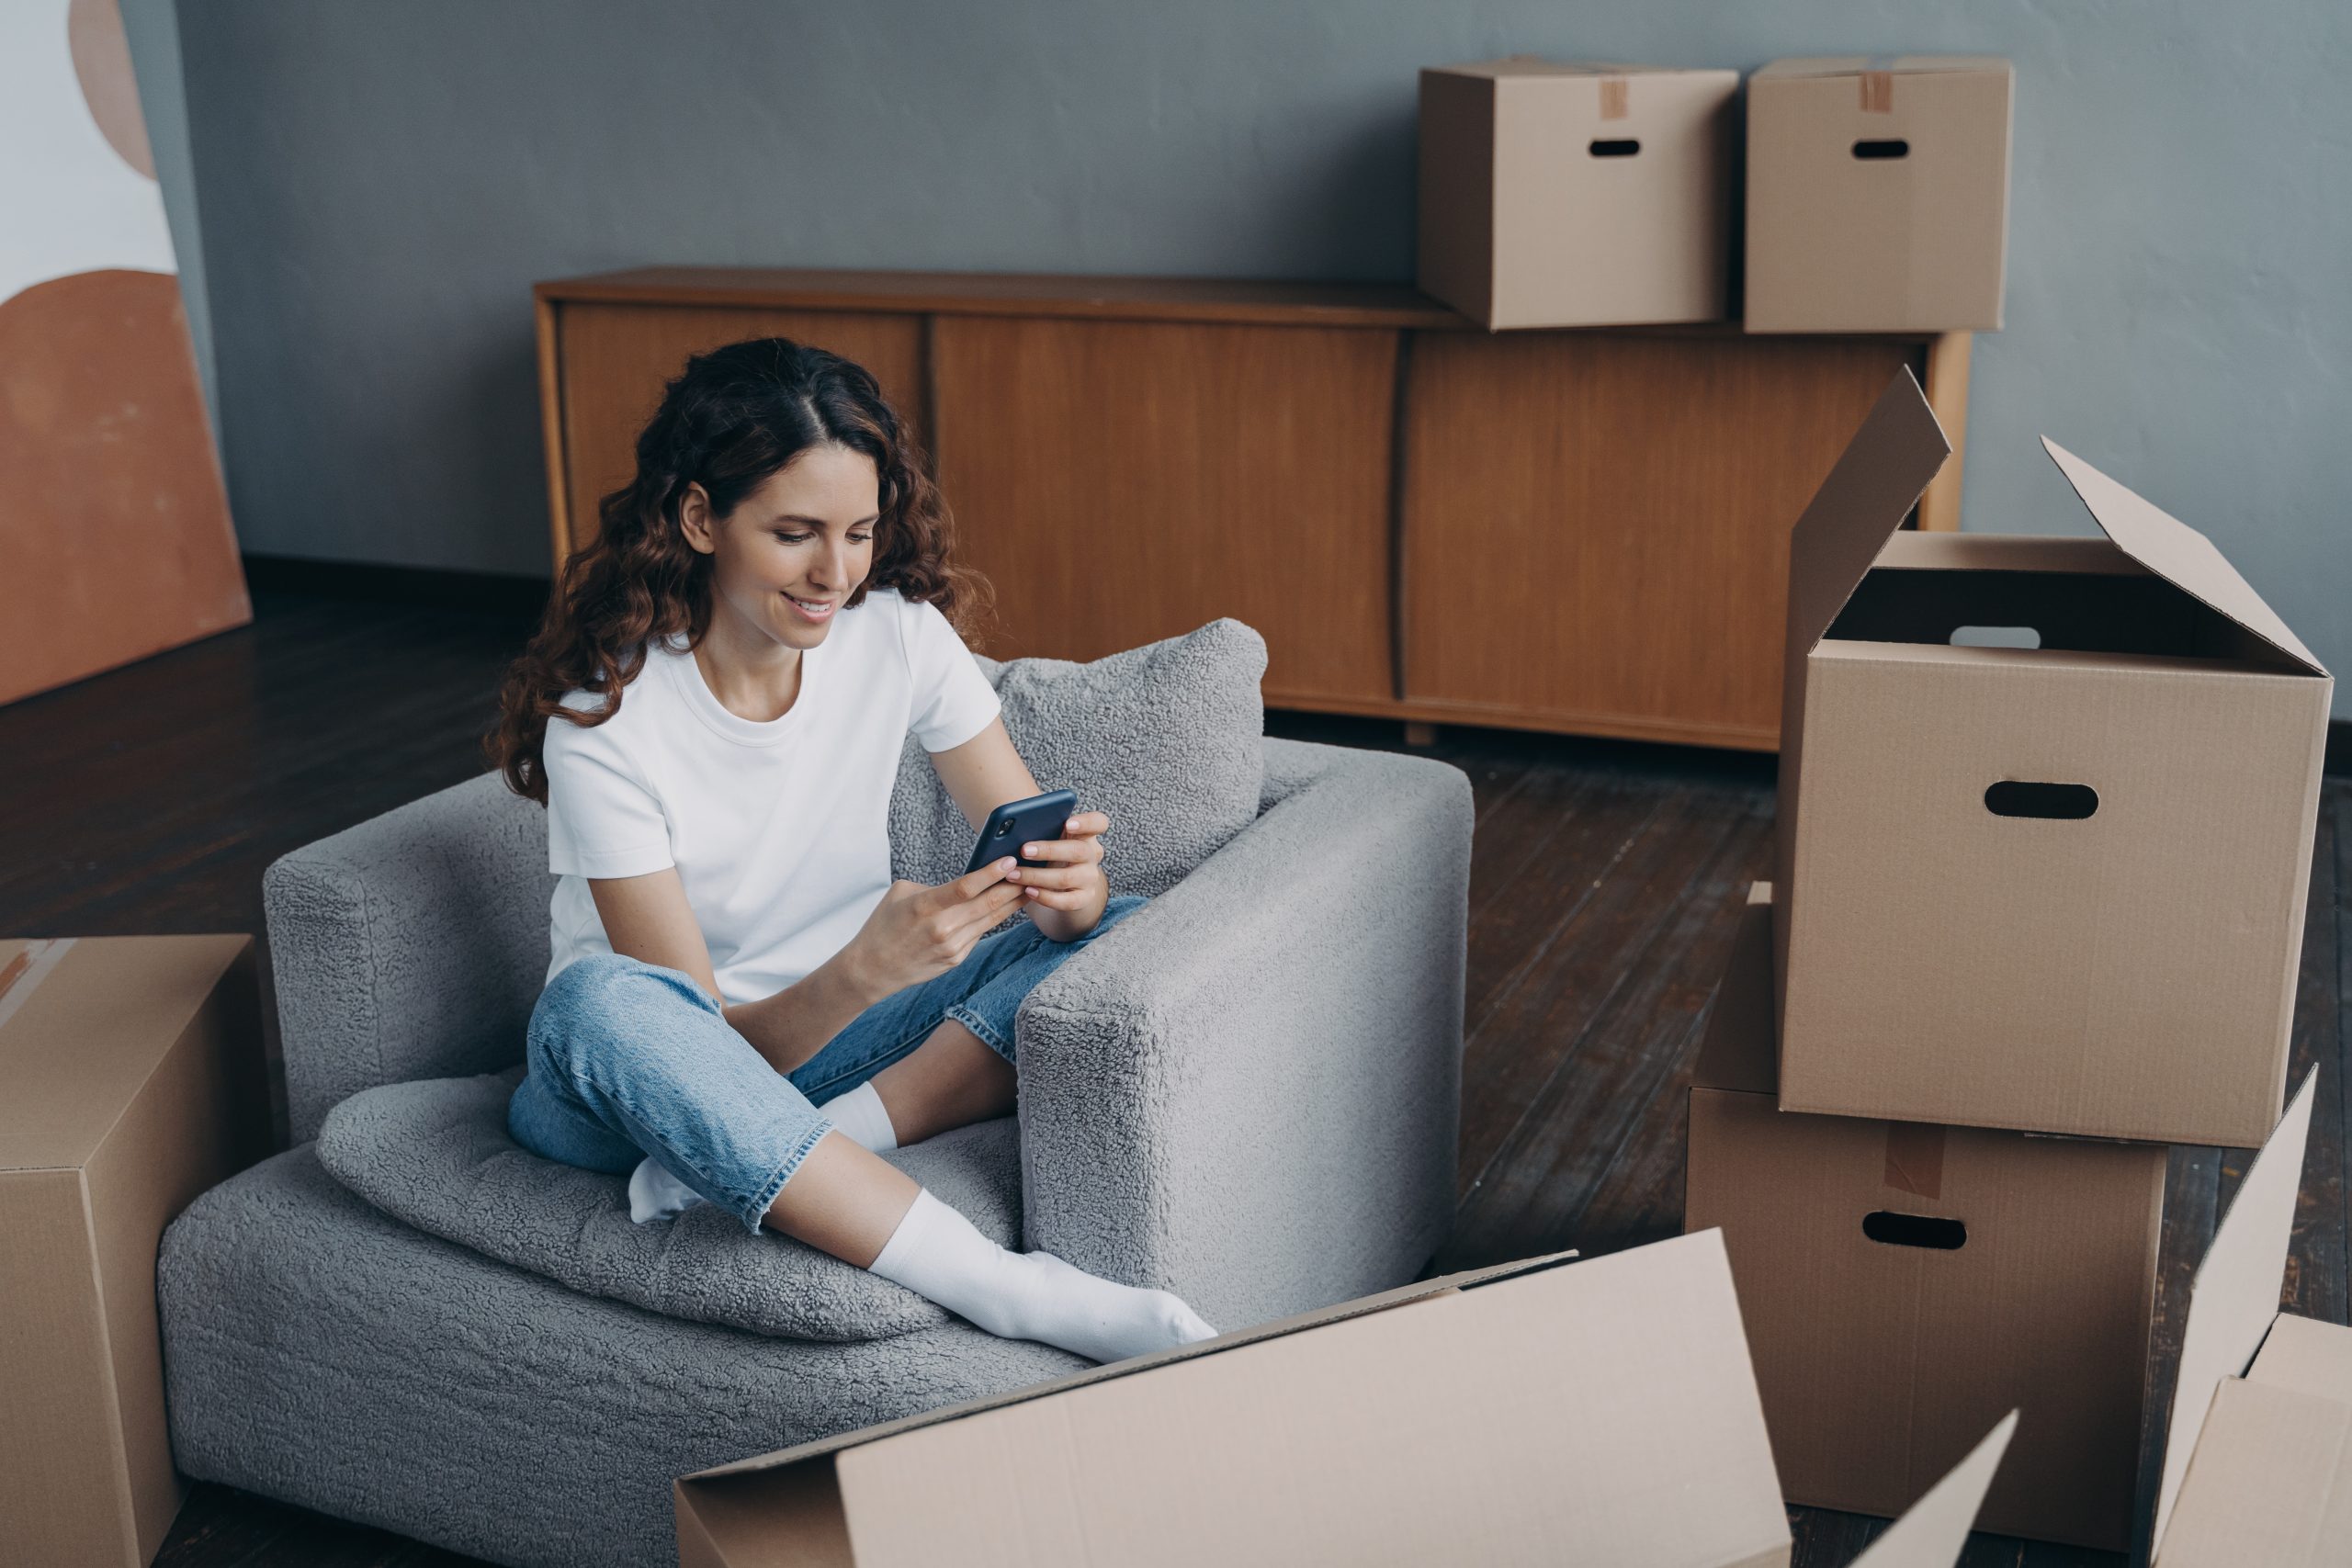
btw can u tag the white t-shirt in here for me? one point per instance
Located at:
(779, 830)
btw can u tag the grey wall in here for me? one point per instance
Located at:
(153, 31)
(381, 185)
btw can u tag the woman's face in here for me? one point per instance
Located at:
(795, 549)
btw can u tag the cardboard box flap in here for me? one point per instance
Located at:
(2271, 1483)
(2178, 552)
(1910, 549)
(84, 1020)
(1901, 65)
(1609, 1406)
(1420, 1289)
(1933, 1531)
(2306, 1354)
(2235, 1297)
(1877, 480)
(1739, 1050)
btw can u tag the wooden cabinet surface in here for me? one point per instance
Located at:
(1583, 531)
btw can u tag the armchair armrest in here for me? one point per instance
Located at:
(410, 946)
(1248, 1091)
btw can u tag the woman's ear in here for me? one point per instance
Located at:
(695, 519)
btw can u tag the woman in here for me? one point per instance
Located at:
(742, 1006)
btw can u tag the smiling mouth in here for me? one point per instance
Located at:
(818, 609)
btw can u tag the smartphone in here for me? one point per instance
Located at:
(1022, 822)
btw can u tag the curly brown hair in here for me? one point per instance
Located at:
(736, 417)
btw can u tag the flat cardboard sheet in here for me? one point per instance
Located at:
(1608, 1404)
(1934, 1532)
(2235, 1297)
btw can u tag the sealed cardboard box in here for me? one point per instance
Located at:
(2046, 814)
(129, 1082)
(2259, 1448)
(1903, 1284)
(1532, 1412)
(1559, 195)
(1878, 194)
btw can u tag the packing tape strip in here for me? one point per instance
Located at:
(1878, 85)
(27, 969)
(1915, 1159)
(1615, 95)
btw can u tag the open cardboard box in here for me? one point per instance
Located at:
(1903, 1284)
(1600, 1411)
(1556, 194)
(2259, 1451)
(2054, 888)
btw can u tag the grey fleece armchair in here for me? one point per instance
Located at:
(1247, 1092)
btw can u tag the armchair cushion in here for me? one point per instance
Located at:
(1166, 737)
(435, 1153)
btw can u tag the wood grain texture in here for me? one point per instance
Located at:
(1946, 384)
(1121, 481)
(1596, 526)
(1066, 295)
(150, 799)
(613, 361)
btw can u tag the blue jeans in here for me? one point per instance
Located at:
(628, 1059)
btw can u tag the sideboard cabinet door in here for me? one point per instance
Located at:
(1120, 481)
(1596, 525)
(613, 361)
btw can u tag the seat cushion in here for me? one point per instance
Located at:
(319, 1351)
(435, 1153)
(1167, 738)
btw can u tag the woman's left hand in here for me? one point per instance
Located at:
(1072, 880)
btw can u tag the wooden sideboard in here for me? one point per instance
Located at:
(1580, 531)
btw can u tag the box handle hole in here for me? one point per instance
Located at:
(1995, 637)
(1915, 1230)
(1887, 149)
(2051, 802)
(1621, 147)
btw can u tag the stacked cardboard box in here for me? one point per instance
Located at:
(2046, 819)
(1572, 194)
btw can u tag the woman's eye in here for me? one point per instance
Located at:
(861, 538)
(794, 539)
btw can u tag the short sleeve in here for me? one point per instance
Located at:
(953, 701)
(602, 818)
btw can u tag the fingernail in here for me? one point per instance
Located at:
(1028, 849)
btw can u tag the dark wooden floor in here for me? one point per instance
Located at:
(1602, 892)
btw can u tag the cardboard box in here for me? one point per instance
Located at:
(1532, 1412)
(1878, 194)
(1483, 1418)
(1903, 1284)
(2058, 887)
(1563, 195)
(129, 1082)
(2259, 1448)
(2271, 1478)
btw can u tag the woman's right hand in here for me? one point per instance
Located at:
(919, 930)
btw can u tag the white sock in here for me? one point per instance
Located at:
(938, 1254)
(655, 1194)
(860, 1117)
